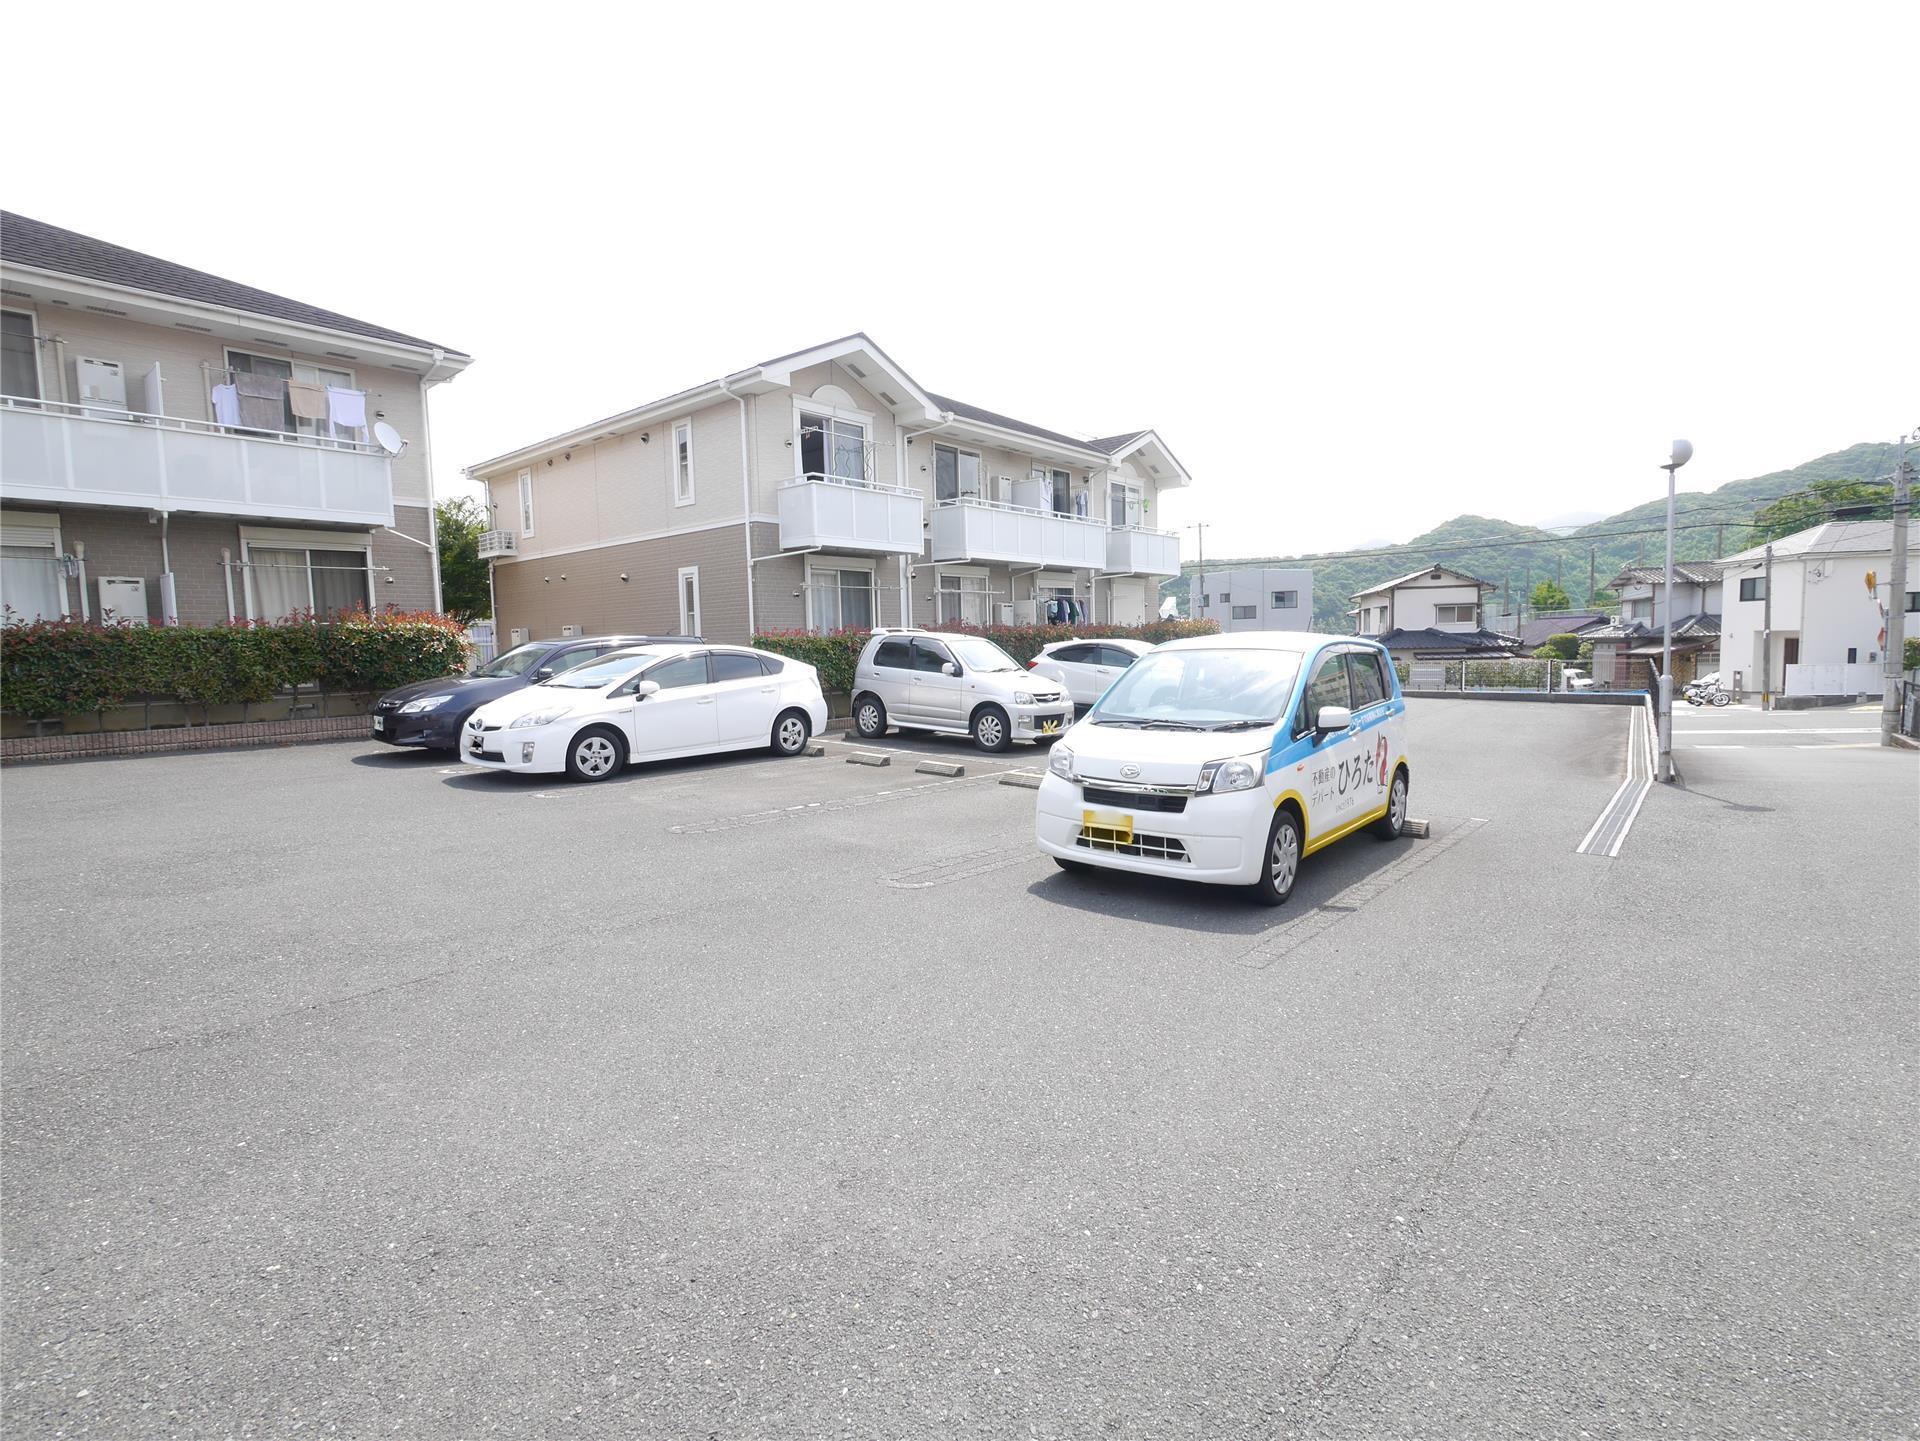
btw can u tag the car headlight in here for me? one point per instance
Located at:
(426, 702)
(1060, 762)
(1222, 776)
(539, 718)
(1023, 697)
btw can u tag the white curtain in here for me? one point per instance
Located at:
(31, 587)
(279, 582)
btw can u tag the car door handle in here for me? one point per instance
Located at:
(704, 700)
(767, 690)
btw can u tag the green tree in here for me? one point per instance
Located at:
(1564, 646)
(463, 575)
(1815, 505)
(1549, 596)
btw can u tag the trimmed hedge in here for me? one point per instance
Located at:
(835, 653)
(65, 667)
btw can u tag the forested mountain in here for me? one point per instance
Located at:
(1706, 524)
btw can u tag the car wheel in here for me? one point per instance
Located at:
(595, 754)
(790, 734)
(1389, 826)
(870, 717)
(1280, 867)
(991, 729)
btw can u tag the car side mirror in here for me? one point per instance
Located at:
(950, 668)
(544, 673)
(645, 689)
(1333, 718)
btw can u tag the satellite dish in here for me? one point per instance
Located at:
(389, 438)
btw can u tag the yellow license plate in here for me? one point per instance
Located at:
(1108, 827)
(1049, 727)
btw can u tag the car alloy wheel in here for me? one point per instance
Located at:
(594, 756)
(790, 736)
(990, 730)
(1286, 858)
(869, 719)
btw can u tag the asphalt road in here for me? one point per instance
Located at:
(344, 1094)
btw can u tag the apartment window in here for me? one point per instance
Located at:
(683, 462)
(1286, 600)
(1246, 612)
(832, 445)
(1754, 587)
(1455, 614)
(1123, 504)
(244, 363)
(1639, 610)
(20, 357)
(690, 600)
(294, 580)
(956, 473)
(964, 598)
(1853, 655)
(1913, 601)
(1205, 600)
(1226, 597)
(840, 599)
(1058, 488)
(526, 502)
(33, 582)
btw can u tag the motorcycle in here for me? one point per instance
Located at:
(1707, 693)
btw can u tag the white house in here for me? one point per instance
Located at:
(1830, 600)
(1266, 599)
(1432, 613)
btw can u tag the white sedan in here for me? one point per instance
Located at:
(1085, 668)
(649, 703)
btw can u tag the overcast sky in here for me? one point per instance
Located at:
(1364, 268)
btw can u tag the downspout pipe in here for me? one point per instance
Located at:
(746, 497)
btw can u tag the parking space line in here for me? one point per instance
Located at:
(1330, 912)
(965, 867)
(813, 808)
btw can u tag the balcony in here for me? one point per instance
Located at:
(1133, 551)
(498, 545)
(57, 454)
(970, 529)
(849, 515)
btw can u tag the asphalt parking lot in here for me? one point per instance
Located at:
(347, 1090)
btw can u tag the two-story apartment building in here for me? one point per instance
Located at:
(1255, 599)
(1827, 634)
(175, 446)
(822, 490)
(1433, 613)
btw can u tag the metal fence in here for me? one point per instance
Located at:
(1534, 674)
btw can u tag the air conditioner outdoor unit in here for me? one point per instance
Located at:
(518, 635)
(100, 384)
(569, 632)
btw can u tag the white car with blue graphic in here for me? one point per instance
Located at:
(1230, 759)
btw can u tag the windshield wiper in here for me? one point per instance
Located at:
(1243, 725)
(1172, 725)
(1114, 720)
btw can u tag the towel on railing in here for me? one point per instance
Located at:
(309, 400)
(226, 405)
(347, 407)
(263, 401)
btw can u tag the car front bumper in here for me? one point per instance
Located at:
(531, 750)
(431, 728)
(1030, 721)
(1222, 837)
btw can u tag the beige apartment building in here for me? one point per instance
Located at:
(822, 490)
(175, 446)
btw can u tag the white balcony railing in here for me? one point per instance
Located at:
(1133, 551)
(58, 454)
(497, 543)
(850, 515)
(969, 529)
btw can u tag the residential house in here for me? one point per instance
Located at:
(175, 446)
(1544, 626)
(1628, 650)
(1831, 596)
(1266, 599)
(1430, 614)
(823, 490)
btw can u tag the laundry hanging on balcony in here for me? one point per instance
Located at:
(309, 401)
(263, 401)
(347, 407)
(226, 404)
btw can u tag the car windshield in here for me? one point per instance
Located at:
(1201, 690)
(980, 655)
(517, 661)
(600, 673)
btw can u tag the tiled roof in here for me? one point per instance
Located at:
(1425, 570)
(47, 247)
(1691, 627)
(1005, 422)
(1693, 572)
(1108, 444)
(1449, 642)
(1535, 632)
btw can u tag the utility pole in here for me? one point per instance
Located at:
(1895, 657)
(1766, 633)
(1681, 454)
(1590, 555)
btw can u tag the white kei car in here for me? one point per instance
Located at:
(651, 702)
(1230, 759)
(1085, 668)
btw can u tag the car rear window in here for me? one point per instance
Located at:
(735, 665)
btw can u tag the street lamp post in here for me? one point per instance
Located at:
(1681, 454)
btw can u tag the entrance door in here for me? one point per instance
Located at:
(1790, 650)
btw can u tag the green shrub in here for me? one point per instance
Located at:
(61, 667)
(1563, 646)
(1910, 656)
(836, 653)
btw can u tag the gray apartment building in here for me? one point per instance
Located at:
(1271, 599)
